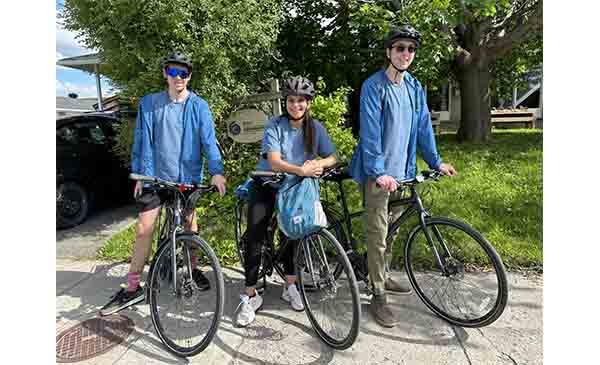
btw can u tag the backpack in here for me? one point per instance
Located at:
(300, 212)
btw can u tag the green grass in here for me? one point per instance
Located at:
(498, 191)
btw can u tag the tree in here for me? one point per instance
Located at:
(469, 40)
(481, 32)
(230, 42)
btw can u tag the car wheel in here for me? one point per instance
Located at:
(72, 205)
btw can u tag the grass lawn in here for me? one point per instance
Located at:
(498, 191)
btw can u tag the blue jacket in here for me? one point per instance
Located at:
(374, 151)
(198, 139)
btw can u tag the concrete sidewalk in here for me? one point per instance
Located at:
(281, 336)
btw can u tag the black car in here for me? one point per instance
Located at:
(88, 173)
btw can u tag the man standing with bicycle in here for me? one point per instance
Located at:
(394, 123)
(174, 129)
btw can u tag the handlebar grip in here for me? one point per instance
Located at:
(139, 177)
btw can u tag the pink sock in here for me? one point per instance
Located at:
(133, 281)
(194, 260)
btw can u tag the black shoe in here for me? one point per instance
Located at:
(122, 299)
(200, 280)
(381, 311)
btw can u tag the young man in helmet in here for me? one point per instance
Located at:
(394, 123)
(174, 130)
(291, 144)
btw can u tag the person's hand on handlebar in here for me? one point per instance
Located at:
(387, 183)
(137, 190)
(447, 169)
(311, 168)
(219, 182)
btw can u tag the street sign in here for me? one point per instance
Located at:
(246, 125)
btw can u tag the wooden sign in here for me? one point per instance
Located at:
(247, 125)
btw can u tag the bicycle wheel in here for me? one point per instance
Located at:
(186, 318)
(332, 304)
(471, 290)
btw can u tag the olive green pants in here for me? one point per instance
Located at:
(377, 218)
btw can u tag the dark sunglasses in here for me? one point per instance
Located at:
(401, 49)
(174, 72)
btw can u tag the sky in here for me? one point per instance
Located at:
(69, 80)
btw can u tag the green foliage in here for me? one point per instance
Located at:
(231, 45)
(330, 111)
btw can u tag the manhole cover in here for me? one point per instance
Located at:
(92, 337)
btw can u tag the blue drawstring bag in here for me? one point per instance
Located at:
(243, 191)
(300, 212)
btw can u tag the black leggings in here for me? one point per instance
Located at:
(260, 211)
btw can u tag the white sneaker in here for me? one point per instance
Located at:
(291, 295)
(246, 310)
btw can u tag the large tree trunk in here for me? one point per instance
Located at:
(473, 74)
(475, 123)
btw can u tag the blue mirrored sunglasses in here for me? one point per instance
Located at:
(174, 72)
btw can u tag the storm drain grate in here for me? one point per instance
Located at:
(92, 337)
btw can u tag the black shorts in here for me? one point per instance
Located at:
(149, 200)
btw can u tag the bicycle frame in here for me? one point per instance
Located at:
(415, 206)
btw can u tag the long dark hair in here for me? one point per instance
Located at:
(308, 127)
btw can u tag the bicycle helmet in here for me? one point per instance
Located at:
(177, 57)
(405, 31)
(298, 85)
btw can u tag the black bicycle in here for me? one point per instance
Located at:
(326, 281)
(438, 255)
(185, 316)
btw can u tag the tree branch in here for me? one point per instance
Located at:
(504, 40)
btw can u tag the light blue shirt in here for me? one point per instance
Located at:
(281, 137)
(168, 139)
(394, 123)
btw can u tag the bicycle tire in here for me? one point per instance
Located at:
(315, 241)
(160, 277)
(459, 231)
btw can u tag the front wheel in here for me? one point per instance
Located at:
(470, 288)
(332, 303)
(186, 312)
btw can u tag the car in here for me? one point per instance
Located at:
(88, 172)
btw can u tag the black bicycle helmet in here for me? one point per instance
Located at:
(177, 57)
(298, 85)
(405, 31)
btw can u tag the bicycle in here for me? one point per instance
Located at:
(435, 252)
(326, 281)
(174, 298)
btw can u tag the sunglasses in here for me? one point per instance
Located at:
(410, 49)
(174, 72)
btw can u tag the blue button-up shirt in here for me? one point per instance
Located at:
(149, 155)
(394, 122)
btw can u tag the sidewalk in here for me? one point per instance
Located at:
(281, 336)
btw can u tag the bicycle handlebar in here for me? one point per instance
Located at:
(173, 185)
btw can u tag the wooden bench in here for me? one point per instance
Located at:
(505, 117)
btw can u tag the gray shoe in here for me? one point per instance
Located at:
(381, 311)
(396, 287)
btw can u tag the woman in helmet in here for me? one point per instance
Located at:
(291, 143)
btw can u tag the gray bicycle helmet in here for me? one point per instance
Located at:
(405, 31)
(177, 57)
(298, 85)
